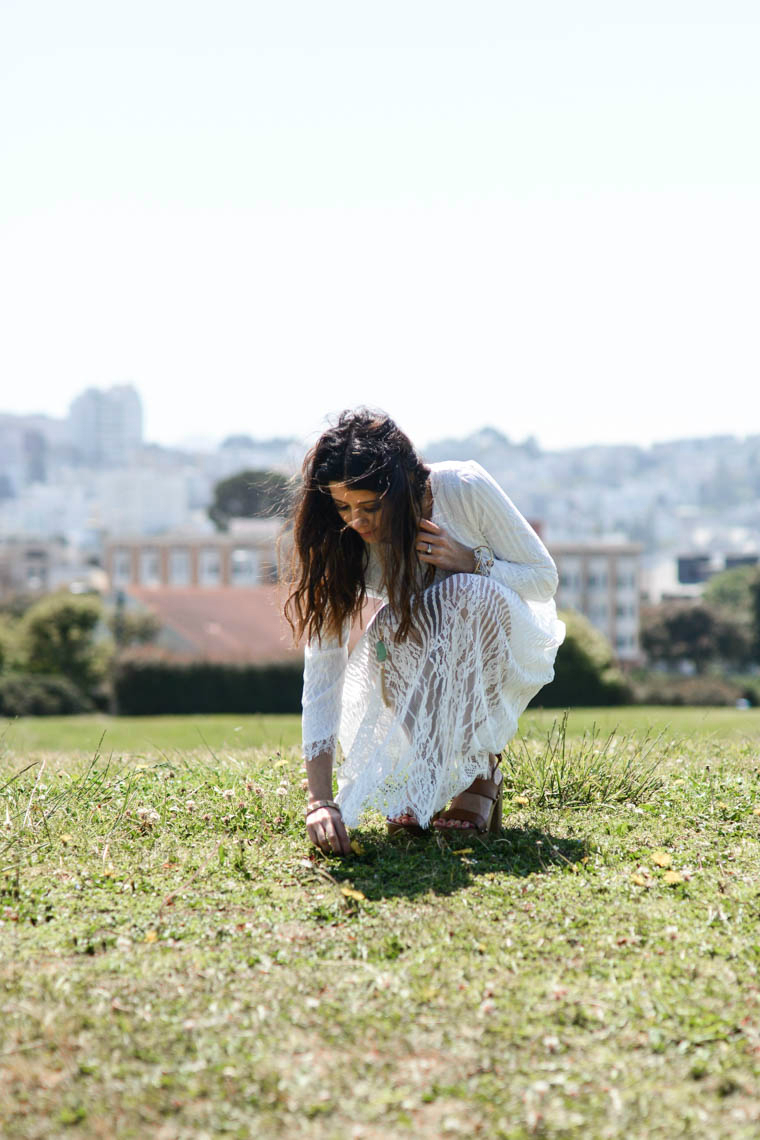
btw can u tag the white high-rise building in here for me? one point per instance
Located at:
(106, 426)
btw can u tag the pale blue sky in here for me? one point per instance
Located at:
(542, 217)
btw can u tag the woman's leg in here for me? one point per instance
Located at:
(453, 670)
(471, 809)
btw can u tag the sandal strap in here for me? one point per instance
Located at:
(482, 786)
(475, 817)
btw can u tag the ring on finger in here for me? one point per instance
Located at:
(429, 548)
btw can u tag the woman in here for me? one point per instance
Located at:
(468, 633)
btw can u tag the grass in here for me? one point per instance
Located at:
(150, 735)
(176, 961)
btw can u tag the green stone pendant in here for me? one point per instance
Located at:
(380, 651)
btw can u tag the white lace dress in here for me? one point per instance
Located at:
(416, 730)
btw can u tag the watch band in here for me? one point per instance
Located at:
(483, 560)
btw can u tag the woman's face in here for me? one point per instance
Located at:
(362, 510)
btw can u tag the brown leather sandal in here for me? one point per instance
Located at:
(395, 826)
(489, 789)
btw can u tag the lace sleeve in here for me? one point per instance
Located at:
(522, 562)
(324, 669)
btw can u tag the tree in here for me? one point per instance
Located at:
(584, 672)
(694, 631)
(732, 590)
(57, 635)
(755, 616)
(7, 641)
(250, 494)
(128, 628)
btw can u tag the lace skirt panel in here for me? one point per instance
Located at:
(417, 728)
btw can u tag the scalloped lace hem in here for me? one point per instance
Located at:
(315, 748)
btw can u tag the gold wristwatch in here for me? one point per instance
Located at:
(483, 560)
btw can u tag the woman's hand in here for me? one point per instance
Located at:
(327, 831)
(438, 548)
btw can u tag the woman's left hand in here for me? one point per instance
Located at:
(438, 548)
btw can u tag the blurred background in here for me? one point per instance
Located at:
(529, 234)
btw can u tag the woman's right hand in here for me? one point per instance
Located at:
(327, 831)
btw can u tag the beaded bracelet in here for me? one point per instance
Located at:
(320, 804)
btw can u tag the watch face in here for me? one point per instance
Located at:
(483, 559)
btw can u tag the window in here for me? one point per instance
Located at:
(209, 571)
(179, 566)
(35, 577)
(122, 566)
(244, 567)
(150, 566)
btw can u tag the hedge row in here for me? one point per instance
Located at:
(150, 688)
(704, 690)
(40, 694)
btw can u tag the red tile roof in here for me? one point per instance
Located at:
(223, 623)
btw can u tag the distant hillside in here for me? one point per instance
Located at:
(683, 493)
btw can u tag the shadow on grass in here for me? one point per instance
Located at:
(403, 866)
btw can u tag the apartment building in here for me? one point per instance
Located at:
(244, 556)
(601, 581)
(35, 566)
(26, 566)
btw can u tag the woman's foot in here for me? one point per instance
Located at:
(407, 821)
(477, 808)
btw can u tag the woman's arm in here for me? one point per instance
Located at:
(324, 666)
(324, 825)
(521, 561)
(324, 670)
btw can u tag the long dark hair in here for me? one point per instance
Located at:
(366, 451)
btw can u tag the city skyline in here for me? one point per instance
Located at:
(208, 443)
(540, 219)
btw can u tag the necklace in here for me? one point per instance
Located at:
(381, 654)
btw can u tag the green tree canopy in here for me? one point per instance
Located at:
(7, 641)
(755, 616)
(585, 671)
(694, 631)
(732, 589)
(129, 627)
(250, 494)
(57, 635)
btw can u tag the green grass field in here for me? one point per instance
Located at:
(152, 735)
(177, 962)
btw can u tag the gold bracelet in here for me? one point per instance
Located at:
(320, 804)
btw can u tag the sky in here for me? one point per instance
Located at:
(538, 217)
